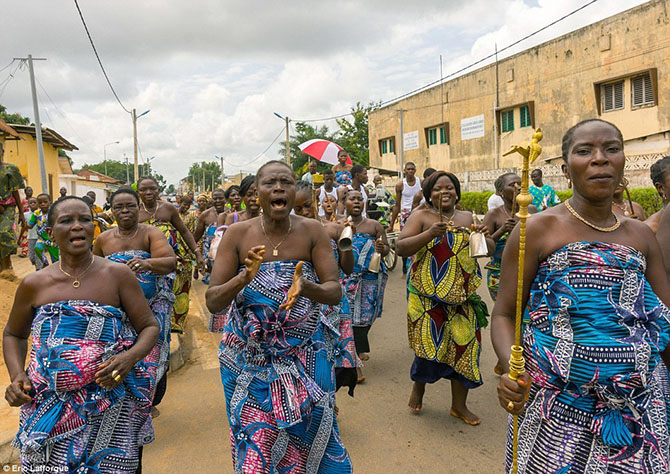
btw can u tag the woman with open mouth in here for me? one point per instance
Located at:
(596, 331)
(444, 314)
(166, 218)
(146, 251)
(86, 394)
(365, 286)
(272, 275)
(337, 319)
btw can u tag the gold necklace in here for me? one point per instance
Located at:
(125, 237)
(450, 219)
(593, 226)
(153, 216)
(76, 283)
(623, 209)
(275, 251)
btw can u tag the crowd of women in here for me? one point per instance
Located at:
(296, 280)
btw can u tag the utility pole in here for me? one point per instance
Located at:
(288, 150)
(402, 146)
(496, 158)
(38, 125)
(135, 166)
(135, 117)
(127, 169)
(223, 179)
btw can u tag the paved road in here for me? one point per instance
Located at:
(377, 428)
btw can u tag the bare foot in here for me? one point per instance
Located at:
(154, 412)
(361, 377)
(415, 402)
(466, 415)
(364, 356)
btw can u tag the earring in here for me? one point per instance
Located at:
(569, 183)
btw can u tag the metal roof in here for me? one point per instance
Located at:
(48, 136)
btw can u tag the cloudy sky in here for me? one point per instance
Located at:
(213, 72)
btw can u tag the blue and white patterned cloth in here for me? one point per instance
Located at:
(592, 341)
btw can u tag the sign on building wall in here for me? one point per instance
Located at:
(411, 140)
(472, 127)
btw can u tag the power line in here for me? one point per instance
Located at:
(98, 58)
(425, 86)
(59, 110)
(8, 79)
(12, 62)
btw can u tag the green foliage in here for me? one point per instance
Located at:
(475, 201)
(17, 119)
(648, 198)
(212, 175)
(352, 136)
(117, 170)
(170, 189)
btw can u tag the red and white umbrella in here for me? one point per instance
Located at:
(323, 150)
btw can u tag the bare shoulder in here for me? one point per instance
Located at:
(151, 231)
(107, 234)
(118, 270)
(32, 282)
(310, 225)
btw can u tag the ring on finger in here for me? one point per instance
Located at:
(510, 405)
(117, 378)
(115, 373)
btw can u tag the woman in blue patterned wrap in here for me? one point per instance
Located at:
(86, 394)
(596, 332)
(276, 373)
(147, 252)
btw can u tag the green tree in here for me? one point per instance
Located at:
(16, 118)
(212, 175)
(170, 189)
(117, 170)
(353, 135)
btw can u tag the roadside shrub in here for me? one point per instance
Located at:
(648, 198)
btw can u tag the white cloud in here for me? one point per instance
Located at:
(212, 73)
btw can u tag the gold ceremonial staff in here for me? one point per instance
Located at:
(517, 364)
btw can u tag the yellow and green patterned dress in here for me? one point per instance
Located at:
(444, 313)
(184, 272)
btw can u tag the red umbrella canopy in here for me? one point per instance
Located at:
(323, 150)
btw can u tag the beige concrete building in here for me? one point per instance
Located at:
(617, 69)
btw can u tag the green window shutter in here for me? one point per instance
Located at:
(524, 116)
(443, 134)
(391, 146)
(432, 136)
(507, 119)
(383, 147)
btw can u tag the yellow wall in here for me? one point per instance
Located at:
(558, 77)
(23, 153)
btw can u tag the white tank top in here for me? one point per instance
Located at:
(408, 193)
(322, 195)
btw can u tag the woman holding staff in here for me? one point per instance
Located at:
(272, 274)
(597, 327)
(444, 314)
(86, 395)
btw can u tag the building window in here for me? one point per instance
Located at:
(524, 116)
(387, 145)
(507, 120)
(437, 132)
(612, 96)
(432, 136)
(443, 135)
(642, 90)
